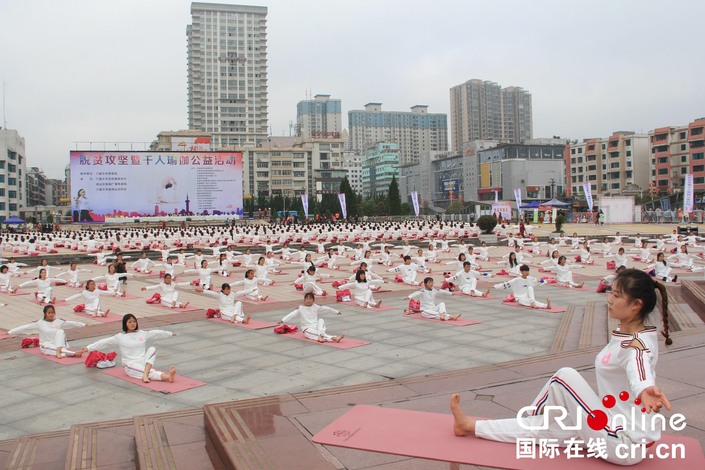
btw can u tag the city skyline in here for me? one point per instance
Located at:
(117, 71)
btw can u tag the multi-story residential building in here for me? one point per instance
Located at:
(227, 73)
(379, 167)
(57, 192)
(37, 188)
(319, 118)
(616, 165)
(13, 173)
(287, 166)
(414, 132)
(676, 151)
(183, 140)
(483, 110)
(352, 162)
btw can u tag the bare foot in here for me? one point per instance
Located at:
(455, 317)
(581, 285)
(462, 424)
(173, 304)
(408, 312)
(145, 377)
(172, 374)
(53, 300)
(185, 305)
(58, 354)
(324, 293)
(379, 304)
(106, 313)
(247, 319)
(548, 304)
(78, 354)
(364, 304)
(486, 293)
(264, 298)
(321, 339)
(338, 339)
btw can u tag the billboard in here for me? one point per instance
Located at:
(191, 144)
(450, 185)
(134, 184)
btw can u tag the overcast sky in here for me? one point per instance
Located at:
(106, 70)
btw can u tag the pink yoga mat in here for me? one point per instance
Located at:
(127, 297)
(383, 308)
(4, 335)
(17, 292)
(269, 300)
(67, 361)
(58, 303)
(552, 309)
(459, 322)
(190, 308)
(346, 343)
(112, 317)
(253, 325)
(430, 436)
(180, 384)
(476, 297)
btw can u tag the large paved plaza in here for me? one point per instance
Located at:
(498, 364)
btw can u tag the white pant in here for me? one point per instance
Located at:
(529, 299)
(410, 279)
(167, 301)
(136, 369)
(566, 388)
(235, 311)
(49, 348)
(45, 295)
(319, 331)
(438, 311)
(470, 288)
(366, 298)
(311, 287)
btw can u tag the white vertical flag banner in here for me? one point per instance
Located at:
(415, 202)
(343, 205)
(688, 201)
(587, 189)
(304, 202)
(496, 197)
(517, 197)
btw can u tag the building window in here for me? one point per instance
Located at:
(614, 165)
(698, 156)
(614, 186)
(628, 142)
(2, 206)
(663, 171)
(684, 158)
(684, 171)
(12, 194)
(682, 135)
(698, 168)
(696, 131)
(12, 207)
(663, 183)
(699, 180)
(12, 181)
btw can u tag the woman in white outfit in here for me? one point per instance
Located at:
(52, 338)
(142, 264)
(45, 293)
(169, 296)
(682, 259)
(308, 281)
(427, 297)
(250, 284)
(6, 280)
(113, 282)
(137, 359)
(91, 299)
(564, 274)
(362, 290)
(662, 269)
(626, 372)
(408, 271)
(311, 326)
(204, 275)
(523, 289)
(466, 279)
(230, 308)
(72, 275)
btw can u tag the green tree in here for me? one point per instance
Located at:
(455, 207)
(406, 209)
(350, 198)
(369, 207)
(394, 197)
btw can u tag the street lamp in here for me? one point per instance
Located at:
(552, 181)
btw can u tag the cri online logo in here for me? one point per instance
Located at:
(597, 419)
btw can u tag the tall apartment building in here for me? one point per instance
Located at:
(13, 173)
(676, 151)
(483, 110)
(414, 132)
(227, 73)
(352, 162)
(379, 166)
(614, 166)
(319, 118)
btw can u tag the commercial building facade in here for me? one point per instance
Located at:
(413, 132)
(227, 73)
